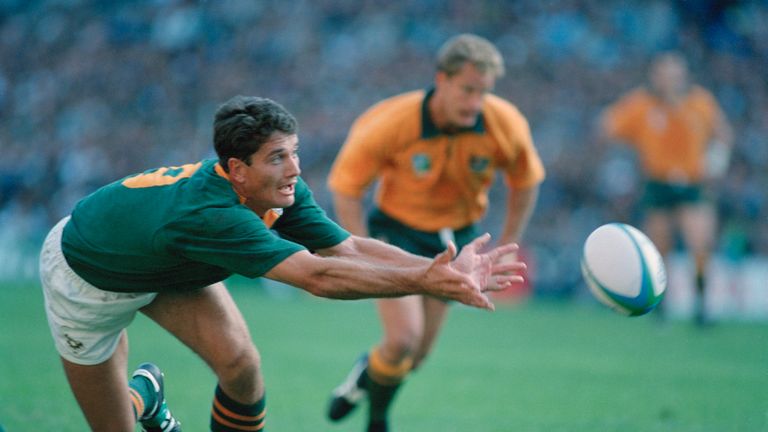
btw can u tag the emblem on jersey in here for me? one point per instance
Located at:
(421, 163)
(479, 163)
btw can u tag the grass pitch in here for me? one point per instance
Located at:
(535, 366)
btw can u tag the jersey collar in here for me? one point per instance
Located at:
(269, 217)
(220, 171)
(430, 130)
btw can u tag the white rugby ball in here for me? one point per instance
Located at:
(623, 269)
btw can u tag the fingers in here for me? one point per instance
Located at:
(489, 306)
(481, 301)
(506, 249)
(472, 295)
(495, 253)
(477, 298)
(479, 242)
(502, 282)
(508, 267)
(447, 255)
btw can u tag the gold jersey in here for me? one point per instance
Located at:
(431, 180)
(671, 140)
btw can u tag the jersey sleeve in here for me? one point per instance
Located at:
(360, 159)
(526, 169)
(231, 238)
(307, 224)
(522, 165)
(621, 120)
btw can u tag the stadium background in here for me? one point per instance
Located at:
(91, 91)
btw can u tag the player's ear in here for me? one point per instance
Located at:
(440, 78)
(236, 169)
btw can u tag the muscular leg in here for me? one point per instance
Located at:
(102, 391)
(403, 321)
(698, 224)
(208, 321)
(403, 325)
(411, 325)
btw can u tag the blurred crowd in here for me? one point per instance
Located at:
(93, 90)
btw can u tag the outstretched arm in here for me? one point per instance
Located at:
(354, 274)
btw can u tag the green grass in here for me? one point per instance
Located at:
(536, 366)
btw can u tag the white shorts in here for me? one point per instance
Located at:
(86, 322)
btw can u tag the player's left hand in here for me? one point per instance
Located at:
(508, 260)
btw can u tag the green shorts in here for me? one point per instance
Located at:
(428, 244)
(660, 195)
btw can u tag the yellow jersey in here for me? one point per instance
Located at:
(671, 140)
(431, 180)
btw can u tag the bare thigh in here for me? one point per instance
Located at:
(660, 227)
(101, 391)
(697, 225)
(208, 321)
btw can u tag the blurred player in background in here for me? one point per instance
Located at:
(435, 154)
(683, 141)
(162, 241)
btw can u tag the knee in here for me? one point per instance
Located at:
(402, 345)
(240, 372)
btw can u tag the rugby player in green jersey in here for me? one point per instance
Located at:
(161, 242)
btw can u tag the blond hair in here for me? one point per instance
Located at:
(469, 48)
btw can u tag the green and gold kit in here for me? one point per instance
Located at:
(185, 228)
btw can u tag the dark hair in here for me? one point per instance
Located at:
(243, 123)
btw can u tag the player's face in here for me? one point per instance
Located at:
(460, 96)
(270, 180)
(669, 77)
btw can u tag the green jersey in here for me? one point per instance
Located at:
(184, 228)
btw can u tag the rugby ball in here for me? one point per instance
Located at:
(623, 269)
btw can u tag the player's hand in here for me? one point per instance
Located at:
(717, 160)
(507, 271)
(502, 259)
(463, 283)
(466, 278)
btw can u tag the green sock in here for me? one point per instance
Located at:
(229, 415)
(380, 398)
(143, 396)
(701, 283)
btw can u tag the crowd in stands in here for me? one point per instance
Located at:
(93, 90)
